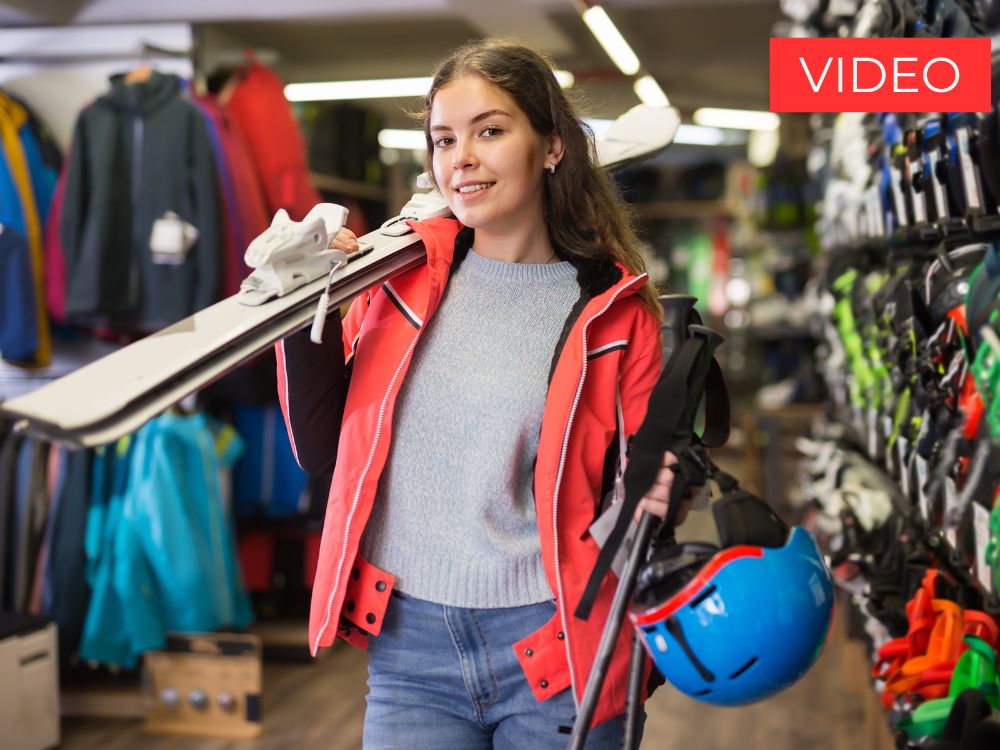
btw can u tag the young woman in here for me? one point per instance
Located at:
(472, 417)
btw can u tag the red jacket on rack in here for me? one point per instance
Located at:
(610, 341)
(261, 112)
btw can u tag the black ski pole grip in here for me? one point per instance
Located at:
(713, 338)
(676, 316)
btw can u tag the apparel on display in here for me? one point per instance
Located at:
(900, 480)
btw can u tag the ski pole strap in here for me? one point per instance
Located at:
(674, 399)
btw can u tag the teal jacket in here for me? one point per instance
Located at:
(160, 547)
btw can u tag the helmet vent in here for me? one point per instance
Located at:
(700, 693)
(702, 597)
(743, 669)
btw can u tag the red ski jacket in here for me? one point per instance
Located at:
(609, 341)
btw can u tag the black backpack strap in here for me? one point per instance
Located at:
(668, 425)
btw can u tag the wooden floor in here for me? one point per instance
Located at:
(322, 706)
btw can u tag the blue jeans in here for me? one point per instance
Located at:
(446, 677)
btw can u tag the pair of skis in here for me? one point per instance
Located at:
(117, 394)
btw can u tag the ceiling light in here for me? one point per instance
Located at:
(649, 92)
(384, 88)
(611, 39)
(741, 119)
(689, 135)
(695, 135)
(762, 148)
(414, 140)
(381, 88)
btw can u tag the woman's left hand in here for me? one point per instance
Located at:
(657, 499)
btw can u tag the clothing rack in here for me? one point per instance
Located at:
(146, 51)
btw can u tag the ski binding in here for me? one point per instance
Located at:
(289, 254)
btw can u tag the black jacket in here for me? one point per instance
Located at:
(139, 151)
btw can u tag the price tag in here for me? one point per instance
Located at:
(919, 207)
(981, 524)
(950, 502)
(921, 465)
(970, 177)
(897, 196)
(902, 449)
(925, 427)
(940, 200)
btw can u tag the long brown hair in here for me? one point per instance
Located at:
(584, 211)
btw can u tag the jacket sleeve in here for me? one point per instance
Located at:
(208, 218)
(312, 386)
(74, 208)
(640, 370)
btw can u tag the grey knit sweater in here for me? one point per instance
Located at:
(454, 514)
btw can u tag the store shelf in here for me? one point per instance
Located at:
(353, 188)
(779, 331)
(668, 210)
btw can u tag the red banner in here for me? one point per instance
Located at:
(880, 75)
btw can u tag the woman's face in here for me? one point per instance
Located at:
(488, 161)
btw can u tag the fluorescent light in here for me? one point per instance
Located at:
(414, 140)
(741, 119)
(611, 39)
(649, 92)
(762, 147)
(384, 88)
(565, 78)
(379, 88)
(696, 135)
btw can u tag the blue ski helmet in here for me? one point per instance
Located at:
(735, 624)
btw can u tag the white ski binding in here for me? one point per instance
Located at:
(290, 253)
(421, 206)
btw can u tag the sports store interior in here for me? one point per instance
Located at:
(155, 587)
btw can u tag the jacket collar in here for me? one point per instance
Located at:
(448, 242)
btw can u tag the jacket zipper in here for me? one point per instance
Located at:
(555, 494)
(357, 496)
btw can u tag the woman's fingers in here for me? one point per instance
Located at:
(344, 240)
(657, 499)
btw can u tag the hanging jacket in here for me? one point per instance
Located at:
(264, 116)
(9, 451)
(609, 341)
(229, 278)
(13, 132)
(252, 214)
(48, 147)
(139, 151)
(55, 260)
(66, 593)
(161, 548)
(18, 315)
(43, 177)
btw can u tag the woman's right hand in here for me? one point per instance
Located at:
(344, 240)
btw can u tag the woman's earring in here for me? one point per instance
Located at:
(552, 168)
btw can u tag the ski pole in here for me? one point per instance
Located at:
(619, 605)
(634, 697)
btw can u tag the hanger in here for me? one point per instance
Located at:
(140, 74)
